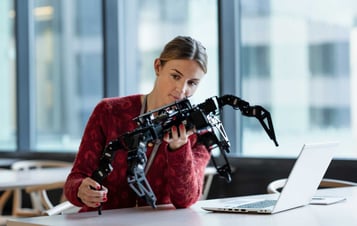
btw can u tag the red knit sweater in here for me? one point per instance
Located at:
(175, 176)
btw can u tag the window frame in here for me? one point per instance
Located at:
(25, 112)
(229, 51)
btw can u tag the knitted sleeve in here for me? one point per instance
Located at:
(186, 173)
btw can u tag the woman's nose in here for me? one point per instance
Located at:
(181, 87)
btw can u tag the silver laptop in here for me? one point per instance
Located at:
(301, 186)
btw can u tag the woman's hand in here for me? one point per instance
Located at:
(178, 136)
(91, 193)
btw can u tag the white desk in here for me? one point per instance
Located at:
(343, 213)
(11, 179)
(7, 162)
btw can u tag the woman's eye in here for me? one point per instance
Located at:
(175, 77)
(193, 83)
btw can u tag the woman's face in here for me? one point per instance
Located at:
(177, 79)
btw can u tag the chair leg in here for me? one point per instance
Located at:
(3, 199)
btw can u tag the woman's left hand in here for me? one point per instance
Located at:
(178, 136)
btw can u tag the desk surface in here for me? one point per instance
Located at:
(343, 213)
(10, 179)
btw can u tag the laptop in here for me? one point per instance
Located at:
(299, 190)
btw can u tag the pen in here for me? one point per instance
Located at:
(100, 205)
(100, 209)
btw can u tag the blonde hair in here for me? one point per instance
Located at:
(185, 48)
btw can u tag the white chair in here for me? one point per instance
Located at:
(38, 194)
(276, 185)
(62, 208)
(209, 174)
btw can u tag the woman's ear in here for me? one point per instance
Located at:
(157, 65)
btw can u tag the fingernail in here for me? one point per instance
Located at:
(99, 187)
(105, 199)
(98, 204)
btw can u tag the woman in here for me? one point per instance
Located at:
(177, 170)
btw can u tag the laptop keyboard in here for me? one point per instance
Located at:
(259, 204)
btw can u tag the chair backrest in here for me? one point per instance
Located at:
(62, 208)
(210, 172)
(276, 185)
(39, 199)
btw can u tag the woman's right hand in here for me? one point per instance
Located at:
(92, 193)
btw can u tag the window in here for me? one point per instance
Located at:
(299, 63)
(296, 60)
(69, 57)
(67, 78)
(160, 21)
(7, 75)
(69, 70)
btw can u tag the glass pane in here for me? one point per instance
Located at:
(160, 21)
(69, 70)
(7, 77)
(299, 61)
